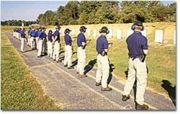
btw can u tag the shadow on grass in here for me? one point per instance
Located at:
(171, 90)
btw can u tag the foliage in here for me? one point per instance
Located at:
(17, 22)
(106, 12)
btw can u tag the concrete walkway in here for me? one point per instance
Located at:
(74, 93)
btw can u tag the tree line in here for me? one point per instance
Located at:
(17, 22)
(107, 12)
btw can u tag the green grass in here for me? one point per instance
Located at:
(19, 90)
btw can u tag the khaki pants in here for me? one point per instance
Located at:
(56, 51)
(37, 39)
(32, 42)
(40, 45)
(50, 49)
(102, 72)
(29, 40)
(68, 55)
(137, 69)
(81, 55)
(22, 44)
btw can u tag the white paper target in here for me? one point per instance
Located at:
(119, 34)
(159, 36)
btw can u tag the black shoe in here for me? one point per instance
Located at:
(141, 107)
(125, 98)
(65, 65)
(98, 84)
(70, 67)
(106, 89)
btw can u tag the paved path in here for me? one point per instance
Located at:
(74, 93)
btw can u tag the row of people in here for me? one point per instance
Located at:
(137, 47)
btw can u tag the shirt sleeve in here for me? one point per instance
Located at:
(144, 43)
(105, 44)
(83, 38)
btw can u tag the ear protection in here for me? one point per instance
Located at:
(133, 27)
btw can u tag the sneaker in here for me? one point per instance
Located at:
(141, 107)
(106, 89)
(125, 98)
(98, 84)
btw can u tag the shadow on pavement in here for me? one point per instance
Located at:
(110, 72)
(74, 63)
(90, 65)
(171, 90)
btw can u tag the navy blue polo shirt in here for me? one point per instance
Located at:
(81, 38)
(67, 39)
(36, 33)
(19, 30)
(33, 33)
(39, 33)
(57, 34)
(22, 32)
(50, 35)
(136, 43)
(42, 35)
(101, 44)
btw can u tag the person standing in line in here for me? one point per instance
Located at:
(42, 36)
(29, 37)
(81, 52)
(102, 73)
(32, 39)
(23, 36)
(68, 49)
(56, 42)
(49, 43)
(137, 45)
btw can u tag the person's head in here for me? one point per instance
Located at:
(43, 29)
(137, 26)
(57, 28)
(50, 31)
(83, 29)
(67, 31)
(104, 30)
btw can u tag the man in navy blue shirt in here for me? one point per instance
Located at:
(36, 37)
(29, 36)
(138, 49)
(23, 35)
(33, 35)
(81, 52)
(56, 42)
(102, 73)
(68, 49)
(42, 37)
(49, 43)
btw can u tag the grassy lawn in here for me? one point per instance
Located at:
(19, 90)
